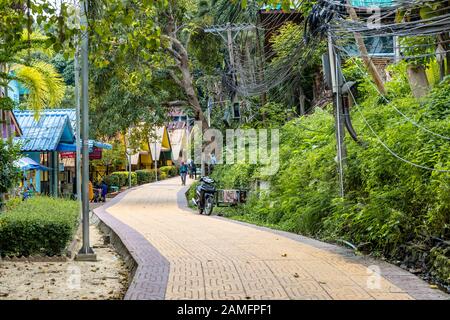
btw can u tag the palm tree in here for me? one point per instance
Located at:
(45, 86)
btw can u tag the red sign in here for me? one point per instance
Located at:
(67, 155)
(96, 154)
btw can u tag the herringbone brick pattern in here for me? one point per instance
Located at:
(200, 257)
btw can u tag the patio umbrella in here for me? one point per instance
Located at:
(26, 163)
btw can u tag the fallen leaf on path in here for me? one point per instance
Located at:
(433, 286)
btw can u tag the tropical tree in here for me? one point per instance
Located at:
(176, 27)
(9, 174)
(45, 86)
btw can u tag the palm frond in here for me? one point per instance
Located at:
(33, 80)
(45, 85)
(55, 83)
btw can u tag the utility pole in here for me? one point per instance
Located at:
(231, 57)
(129, 169)
(86, 253)
(228, 29)
(78, 129)
(129, 158)
(339, 119)
(156, 159)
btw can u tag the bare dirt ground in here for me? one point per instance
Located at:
(107, 278)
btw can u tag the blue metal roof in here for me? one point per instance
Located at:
(45, 133)
(72, 114)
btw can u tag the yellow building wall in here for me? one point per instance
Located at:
(165, 140)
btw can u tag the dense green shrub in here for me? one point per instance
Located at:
(170, 171)
(120, 178)
(13, 202)
(145, 176)
(39, 225)
(9, 174)
(112, 180)
(139, 177)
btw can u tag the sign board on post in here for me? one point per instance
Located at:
(96, 154)
(67, 155)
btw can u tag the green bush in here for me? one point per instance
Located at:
(190, 193)
(112, 180)
(9, 174)
(120, 178)
(170, 171)
(39, 225)
(145, 176)
(139, 177)
(13, 202)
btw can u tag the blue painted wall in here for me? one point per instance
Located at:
(36, 156)
(14, 91)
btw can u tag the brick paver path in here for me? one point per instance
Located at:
(191, 256)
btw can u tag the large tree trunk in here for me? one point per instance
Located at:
(189, 89)
(418, 81)
(180, 54)
(365, 54)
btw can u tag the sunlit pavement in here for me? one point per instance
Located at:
(191, 256)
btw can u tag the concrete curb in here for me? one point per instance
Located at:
(149, 269)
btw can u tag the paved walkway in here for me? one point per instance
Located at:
(183, 255)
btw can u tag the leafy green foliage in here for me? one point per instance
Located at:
(39, 225)
(138, 177)
(146, 176)
(169, 171)
(120, 179)
(418, 50)
(9, 174)
(6, 103)
(112, 158)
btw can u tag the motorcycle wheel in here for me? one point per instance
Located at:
(209, 205)
(199, 207)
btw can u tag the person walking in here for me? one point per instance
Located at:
(104, 191)
(194, 169)
(190, 168)
(183, 173)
